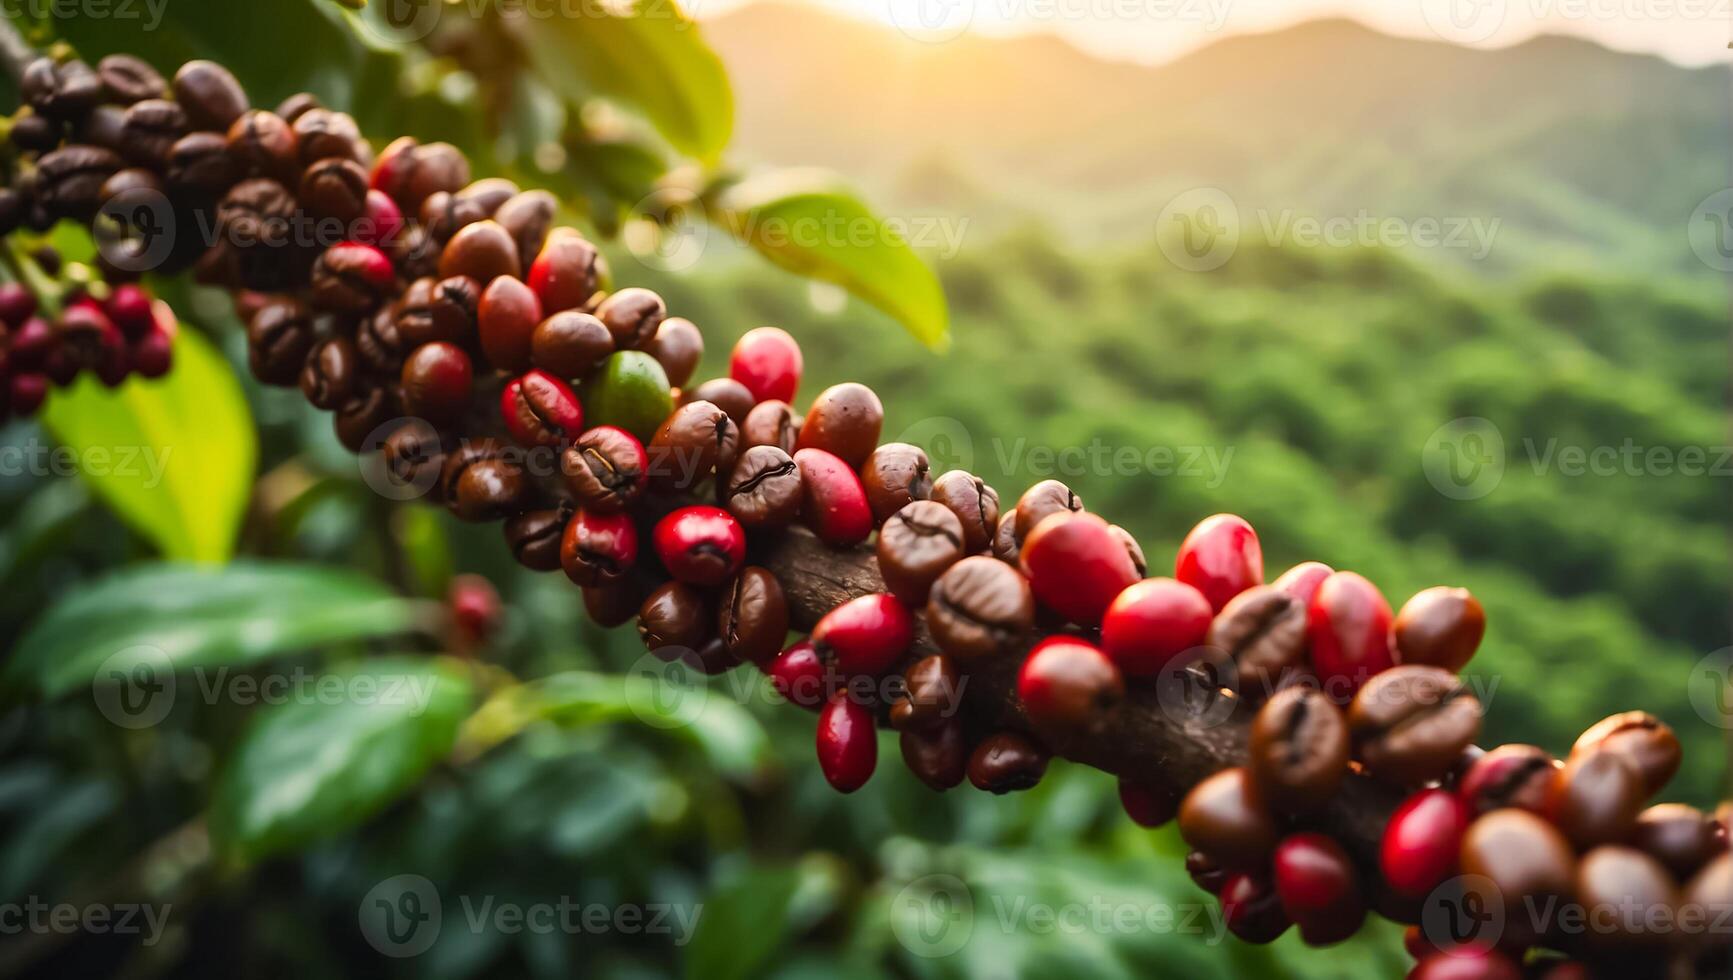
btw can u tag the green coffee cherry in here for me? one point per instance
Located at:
(630, 391)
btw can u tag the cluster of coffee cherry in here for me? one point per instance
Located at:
(124, 333)
(454, 326)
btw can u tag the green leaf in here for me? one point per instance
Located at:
(173, 457)
(186, 616)
(803, 223)
(653, 58)
(744, 922)
(318, 765)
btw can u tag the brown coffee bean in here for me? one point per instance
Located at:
(103, 126)
(895, 474)
(126, 79)
(263, 144)
(678, 346)
(201, 162)
(534, 539)
(527, 217)
(1595, 798)
(352, 279)
(381, 347)
(1005, 545)
(1440, 627)
(1299, 749)
(1645, 740)
(71, 179)
(483, 480)
(1264, 630)
(845, 420)
(332, 374)
(605, 469)
(632, 315)
(938, 757)
(1707, 899)
(915, 546)
(444, 212)
(980, 608)
(1510, 858)
(411, 173)
(60, 91)
(37, 134)
(415, 456)
(296, 106)
(1007, 763)
(1629, 900)
(1411, 723)
(322, 134)
(506, 320)
(439, 310)
(930, 694)
(358, 420)
(674, 620)
(278, 341)
(974, 502)
(691, 444)
(570, 344)
(725, 393)
(1040, 500)
(568, 273)
(256, 213)
(614, 604)
(764, 489)
(1508, 776)
(335, 187)
(770, 423)
(752, 618)
(209, 93)
(1681, 837)
(1227, 818)
(481, 251)
(1132, 548)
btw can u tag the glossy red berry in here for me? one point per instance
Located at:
(767, 361)
(475, 608)
(33, 343)
(848, 745)
(798, 675)
(382, 222)
(1251, 910)
(1422, 841)
(1147, 806)
(1348, 630)
(598, 548)
(701, 545)
(129, 307)
(1302, 580)
(28, 392)
(1153, 621)
(438, 381)
(1319, 890)
(866, 635)
(833, 499)
(1221, 557)
(17, 304)
(540, 410)
(1067, 684)
(153, 354)
(1076, 565)
(1466, 964)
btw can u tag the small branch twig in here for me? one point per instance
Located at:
(16, 54)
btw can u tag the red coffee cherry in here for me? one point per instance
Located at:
(1316, 882)
(1467, 964)
(567, 271)
(866, 635)
(1076, 566)
(506, 319)
(352, 277)
(701, 545)
(1146, 805)
(1302, 580)
(1508, 776)
(848, 745)
(767, 361)
(798, 674)
(1151, 622)
(17, 304)
(1068, 685)
(1221, 558)
(129, 306)
(1439, 627)
(381, 223)
(1225, 816)
(437, 382)
(1348, 628)
(1251, 909)
(834, 502)
(540, 410)
(475, 608)
(598, 549)
(27, 393)
(1206, 873)
(1421, 842)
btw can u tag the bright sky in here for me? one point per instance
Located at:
(1693, 32)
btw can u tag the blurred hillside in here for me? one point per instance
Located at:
(1584, 155)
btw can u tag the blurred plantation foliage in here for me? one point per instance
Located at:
(1296, 387)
